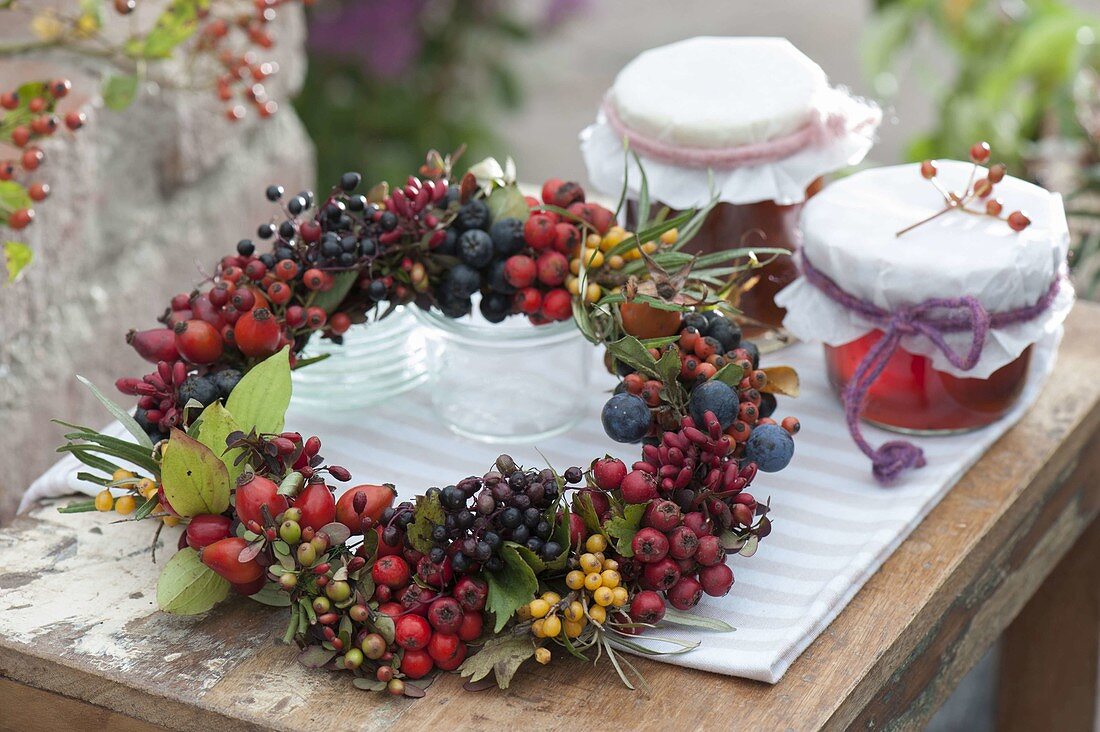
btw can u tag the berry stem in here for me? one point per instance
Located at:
(950, 207)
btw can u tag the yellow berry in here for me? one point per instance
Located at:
(593, 582)
(171, 521)
(603, 596)
(612, 238)
(575, 266)
(524, 612)
(538, 608)
(670, 236)
(573, 284)
(593, 259)
(573, 629)
(551, 626)
(649, 247)
(611, 564)
(597, 613)
(632, 254)
(104, 501)
(593, 292)
(619, 596)
(589, 563)
(593, 241)
(574, 580)
(601, 557)
(125, 505)
(610, 578)
(121, 474)
(551, 597)
(542, 655)
(147, 488)
(574, 612)
(538, 628)
(596, 543)
(615, 261)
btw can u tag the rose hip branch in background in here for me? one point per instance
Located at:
(219, 45)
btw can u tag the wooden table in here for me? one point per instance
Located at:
(82, 646)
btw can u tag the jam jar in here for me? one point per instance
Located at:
(867, 270)
(750, 123)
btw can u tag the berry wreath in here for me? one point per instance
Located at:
(506, 564)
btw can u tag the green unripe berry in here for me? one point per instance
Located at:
(290, 532)
(353, 659)
(338, 591)
(321, 605)
(293, 514)
(307, 555)
(288, 581)
(320, 543)
(358, 613)
(374, 646)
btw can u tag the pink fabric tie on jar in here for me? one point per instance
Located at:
(932, 319)
(820, 130)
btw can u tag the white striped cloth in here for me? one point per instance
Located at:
(833, 525)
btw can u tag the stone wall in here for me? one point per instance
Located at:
(142, 201)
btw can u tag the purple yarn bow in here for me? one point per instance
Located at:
(933, 319)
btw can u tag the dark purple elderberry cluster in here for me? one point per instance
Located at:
(344, 230)
(509, 504)
(481, 246)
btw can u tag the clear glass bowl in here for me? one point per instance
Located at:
(377, 360)
(506, 382)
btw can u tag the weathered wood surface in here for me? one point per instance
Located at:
(77, 615)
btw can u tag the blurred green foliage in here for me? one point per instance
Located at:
(1008, 77)
(438, 73)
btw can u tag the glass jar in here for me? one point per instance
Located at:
(506, 382)
(729, 226)
(913, 397)
(376, 361)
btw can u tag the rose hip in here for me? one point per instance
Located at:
(664, 516)
(685, 594)
(649, 545)
(661, 575)
(682, 543)
(639, 487)
(392, 571)
(445, 615)
(471, 594)
(647, 607)
(470, 629)
(710, 551)
(716, 579)
(608, 472)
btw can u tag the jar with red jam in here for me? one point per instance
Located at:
(931, 289)
(750, 123)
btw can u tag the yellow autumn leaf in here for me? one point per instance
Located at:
(47, 27)
(782, 380)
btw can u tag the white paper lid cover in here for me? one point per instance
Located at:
(850, 235)
(714, 95)
(714, 92)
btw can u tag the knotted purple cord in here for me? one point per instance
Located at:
(933, 319)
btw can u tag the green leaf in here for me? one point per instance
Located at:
(582, 505)
(119, 91)
(428, 514)
(331, 298)
(630, 351)
(621, 529)
(120, 414)
(501, 656)
(195, 480)
(14, 196)
(216, 424)
(262, 396)
(175, 25)
(368, 684)
(730, 374)
(669, 367)
(534, 561)
(675, 617)
(17, 256)
(271, 595)
(511, 587)
(384, 626)
(508, 202)
(189, 587)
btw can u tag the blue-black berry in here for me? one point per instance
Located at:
(475, 248)
(625, 418)
(713, 396)
(769, 446)
(507, 235)
(473, 215)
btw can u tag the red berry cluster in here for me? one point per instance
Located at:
(30, 116)
(979, 189)
(697, 511)
(539, 270)
(230, 39)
